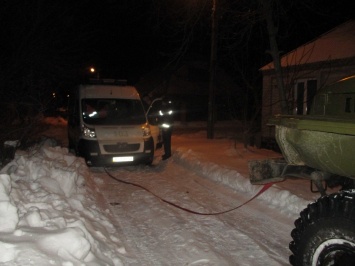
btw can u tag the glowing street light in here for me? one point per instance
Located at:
(94, 70)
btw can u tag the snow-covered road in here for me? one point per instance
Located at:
(160, 234)
(54, 210)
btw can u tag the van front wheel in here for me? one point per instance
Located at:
(150, 159)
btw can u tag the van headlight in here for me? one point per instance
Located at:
(88, 132)
(146, 130)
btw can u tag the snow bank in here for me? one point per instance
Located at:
(55, 121)
(49, 212)
(276, 198)
(8, 212)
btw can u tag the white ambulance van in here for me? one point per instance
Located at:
(107, 125)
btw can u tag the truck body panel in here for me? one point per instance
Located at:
(322, 142)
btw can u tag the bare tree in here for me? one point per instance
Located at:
(267, 12)
(39, 55)
(42, 44)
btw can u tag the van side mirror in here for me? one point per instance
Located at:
(153, 120)
(151, 106)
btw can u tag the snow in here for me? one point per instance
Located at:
(53, 210)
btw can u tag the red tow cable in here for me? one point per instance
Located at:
(262, 190)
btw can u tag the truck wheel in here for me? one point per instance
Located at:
(325, 232)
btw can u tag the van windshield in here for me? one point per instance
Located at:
(113, 112)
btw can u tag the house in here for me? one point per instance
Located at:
(306, 69)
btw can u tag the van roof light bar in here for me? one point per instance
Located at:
(120, 82)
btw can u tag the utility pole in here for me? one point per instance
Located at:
(212, 81)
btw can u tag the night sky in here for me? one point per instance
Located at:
(130, 38)
(52, 42)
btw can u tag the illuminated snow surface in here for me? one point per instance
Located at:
(54, 210)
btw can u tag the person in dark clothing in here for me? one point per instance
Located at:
(166, 121)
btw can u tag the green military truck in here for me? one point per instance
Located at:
(319, 147)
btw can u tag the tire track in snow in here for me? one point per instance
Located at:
(158, 234)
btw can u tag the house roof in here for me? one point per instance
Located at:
(338, 43)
